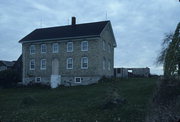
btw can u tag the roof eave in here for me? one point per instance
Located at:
(66, 38)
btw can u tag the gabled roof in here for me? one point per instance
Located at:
(8, 63)
(69, 31)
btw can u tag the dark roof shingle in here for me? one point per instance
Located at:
(69, 31)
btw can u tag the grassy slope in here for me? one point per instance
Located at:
(71, 104)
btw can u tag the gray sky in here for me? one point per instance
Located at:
(138, 25)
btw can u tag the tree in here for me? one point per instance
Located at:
(170, 54)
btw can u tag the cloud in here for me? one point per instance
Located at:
(138, 25)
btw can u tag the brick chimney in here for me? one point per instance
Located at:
(73, 20)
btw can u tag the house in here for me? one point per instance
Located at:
(4, 65)
(76, 54)
(131, 72)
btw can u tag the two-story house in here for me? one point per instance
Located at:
(78, 54)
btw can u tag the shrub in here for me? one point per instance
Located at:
(9, 78)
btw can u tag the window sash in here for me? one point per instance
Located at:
(69, 63)
(69, 47)
(55, 48)
(84, 46)
(84, 62)
(32, 49)
(32, 64)
(43, 48)
(43, 64)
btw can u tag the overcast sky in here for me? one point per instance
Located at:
(138, 25)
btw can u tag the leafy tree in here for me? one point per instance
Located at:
(170, 54)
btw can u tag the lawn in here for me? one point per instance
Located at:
(79, 103)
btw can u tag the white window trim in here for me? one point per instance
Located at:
(41, 64)
(82, 63)
(42, 48)
(67, 63)
(72, 47)
(30, 64)
(82, 46)
(57, 48)
(36, 79)
(76, 78)
(31, 49)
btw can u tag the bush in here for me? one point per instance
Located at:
(9, 78)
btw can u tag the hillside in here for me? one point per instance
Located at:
(78, 104)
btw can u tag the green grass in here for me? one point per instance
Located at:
(77, 104)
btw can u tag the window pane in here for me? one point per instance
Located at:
(55, 48)
(69, 47)
(32, 49)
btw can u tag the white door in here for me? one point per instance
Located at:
(55, 77)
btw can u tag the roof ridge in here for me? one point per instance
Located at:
(72, 25)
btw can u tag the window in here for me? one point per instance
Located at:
(43, 64)
(109, 47)
(43, 48)
(32, 49)
(55, 48)
(69, 47)
(104, 45)
(69, 63)
(38, 79)
(77, 79)
(32, 64)
(109, 65)
(84, 63)
(84, 46)
(104, 63)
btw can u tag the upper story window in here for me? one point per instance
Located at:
(32, 64)
(109, 47)
(55, 48)
(84, 46)
(69, 63)
(104, 45)
(43, 48)
(70, 47)
(84, 63)
(32, 49)
(104, 63)
(109, 65)
(43, 64)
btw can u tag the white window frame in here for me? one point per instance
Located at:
(36, 79)
(69, 43)
(43, 68)
(83, 62)
(32, 60)
(104, 63)
(82, 46)
(53, 48)
(67, 62)
(32, 49)
(104, 45)
(43, 46)
(77, 78)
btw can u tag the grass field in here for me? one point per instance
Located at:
(77, 104)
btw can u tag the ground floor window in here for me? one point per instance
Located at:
(77, 79)
(38, 79)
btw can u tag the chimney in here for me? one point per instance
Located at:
(73, 20)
